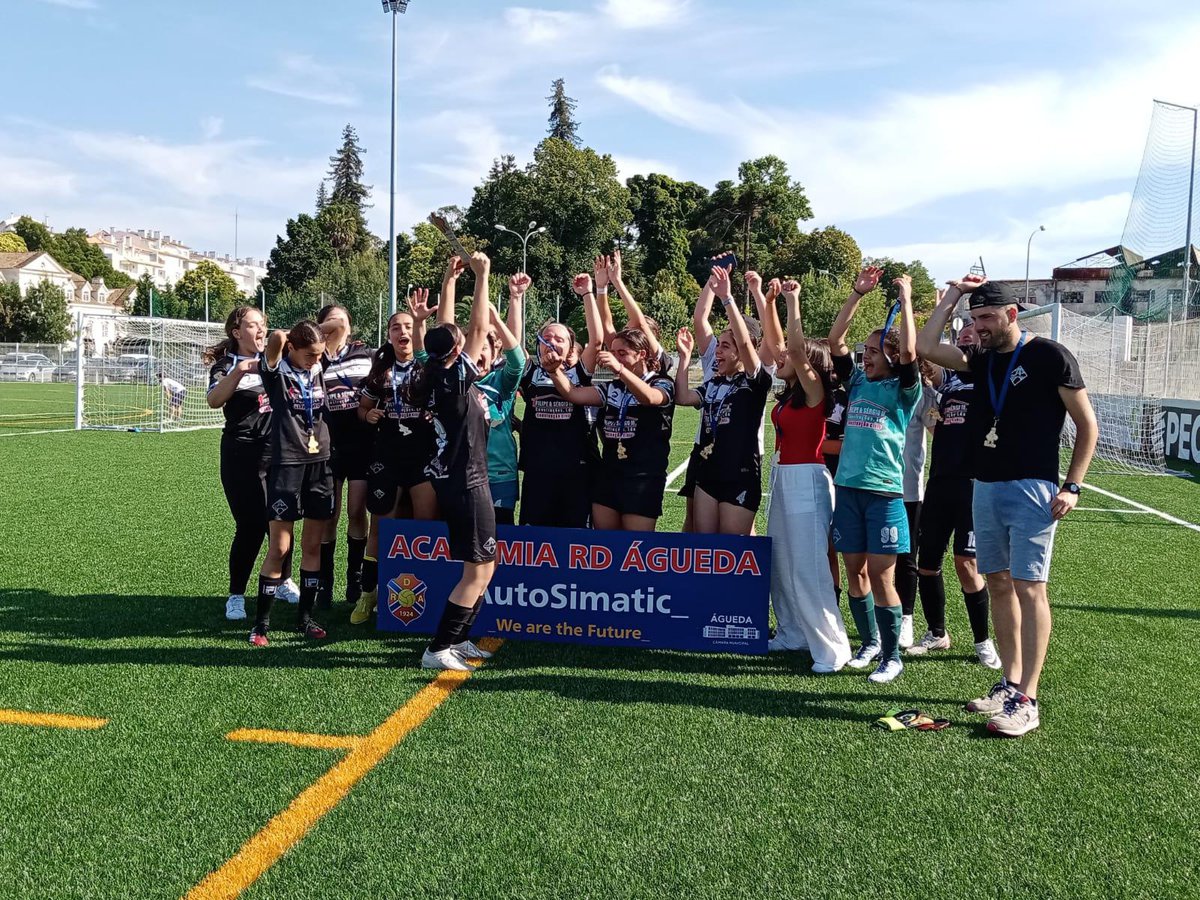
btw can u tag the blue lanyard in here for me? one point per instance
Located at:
(887, 326)
(396, 372)
(625, 401)
(998, 397)
(714, 410)
(304, 383)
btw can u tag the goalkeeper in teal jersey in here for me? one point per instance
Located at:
(869, 521)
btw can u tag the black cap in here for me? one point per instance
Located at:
(992, 293)
(439, 342)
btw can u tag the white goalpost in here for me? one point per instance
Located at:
(118, 363)
(1120, 368)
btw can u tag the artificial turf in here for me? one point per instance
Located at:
(562, 771)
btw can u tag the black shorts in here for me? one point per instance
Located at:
(560, 499)
(386, 477)
(947, 509)
(300, 491)
(350, 459)
(471, 519)
(631, 496)
(689, 477)
(743, 490)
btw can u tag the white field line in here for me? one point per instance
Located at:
(1141, 507)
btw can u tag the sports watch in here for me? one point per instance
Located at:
(1071, 488)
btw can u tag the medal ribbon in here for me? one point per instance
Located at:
(304, 383)
(998, 397)
(887, 326)
(714, 410)
(625, 401)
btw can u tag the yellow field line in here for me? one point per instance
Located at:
(49, 720)
(296, 738)
(286, 830)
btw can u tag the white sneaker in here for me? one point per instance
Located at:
(929, 642)
(288, 591)
(235, 607)
(444, 659)
(776, 645)
(906, 632)
(986, 651)
(863, 657)
(823, 669)
(888, 670)
(471, 650)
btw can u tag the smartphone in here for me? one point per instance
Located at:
(725, 261)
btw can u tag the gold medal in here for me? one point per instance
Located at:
(990, 440)
(707, 451)
(621, 454)
(313, 446)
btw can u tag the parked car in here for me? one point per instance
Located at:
(26, 367)
(131, 368)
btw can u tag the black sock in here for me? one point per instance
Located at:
(977, 613)
(933, 602)
(266, 597)
(287, 564)
(471, 622)
(906, 583)
(356, 548)
(370, 574)
(325, 588)
(310, 583)
(454, 619)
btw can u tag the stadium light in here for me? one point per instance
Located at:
(533, 229)
(1028, 248)
(393, 8)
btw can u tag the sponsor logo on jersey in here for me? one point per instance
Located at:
(865, 414)
(406, 598)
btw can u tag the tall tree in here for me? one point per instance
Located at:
(346, 172)
(35, 235)
(924, 291)
(297, 257)
(223, 293)
(322, 195)
(756, 214)
(821, 299)
(826, 250)
(562, 115)
(10, 299)
(664, 211)
(11, 242)
(41, 316)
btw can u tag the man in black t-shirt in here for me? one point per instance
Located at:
(1025, 386)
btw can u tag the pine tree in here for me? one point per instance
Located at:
(322, 196)
(562, 115)
(346, 171)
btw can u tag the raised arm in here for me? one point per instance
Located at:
(418, 305)
(273, 352)
(445, 307)
(518, 285)
(219, 394)
(582, 286)
(867, 281)
(929, 341)
(741, 336)
(636, 318)
(810, 382)
(908, 331)
(701, 327)
(579, 394)
(768, 315)
(684, 395)
(608, 328)
(477, 326)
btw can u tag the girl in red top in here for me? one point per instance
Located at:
(798, 523)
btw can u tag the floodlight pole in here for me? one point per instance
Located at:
(206, 301)
(1028, 250)
(395, 8)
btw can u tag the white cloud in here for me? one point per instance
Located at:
(303, 78)
(479, 140)
(211, 127)
(72, 4)
(633, 14)
(628, 166)
(1041, 131)
(543, 26)
(25, 180)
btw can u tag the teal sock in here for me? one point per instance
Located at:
(860, 611)
(887, 619)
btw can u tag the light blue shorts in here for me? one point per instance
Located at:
(1014, 528)
(869, 523)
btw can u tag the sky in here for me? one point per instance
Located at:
(929, 129)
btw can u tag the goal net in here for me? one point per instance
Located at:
(1119, 364)
(123, 358)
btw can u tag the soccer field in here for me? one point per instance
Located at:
(556, 771)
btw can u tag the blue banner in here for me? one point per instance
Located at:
(612, 588)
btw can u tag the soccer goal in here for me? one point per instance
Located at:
(135, 373)
(1117, 365)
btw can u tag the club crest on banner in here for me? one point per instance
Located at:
(406, 598)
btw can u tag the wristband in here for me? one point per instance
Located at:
(601, 290)
(727, 301)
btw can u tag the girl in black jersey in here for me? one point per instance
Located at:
(346, 364)
(397, 483)
(729, 464)
(635, 431)
(235, 387)
(300, 482)
(459, 469)
(556, 440)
